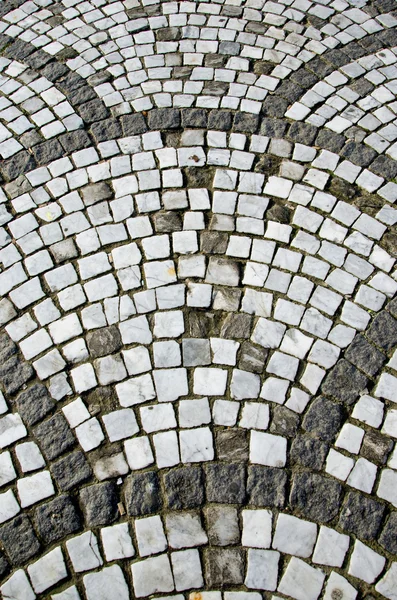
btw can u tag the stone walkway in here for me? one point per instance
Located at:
(198, 357)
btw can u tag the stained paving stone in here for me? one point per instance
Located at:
(383, 331)
(252, 358)
(55, 436)
(225, 483)
(99, 503)
(71, 470)
(142, 494)
(236, 326)
(19, 540)
(388, 537)
(285, 422)
(48, 151)
(376, 447)
(14, 373)
(34, 403)
(167, 222)
(57, 519)
(232, 445)
(316, 497)
(224, 567)
(308, 451)
(365, 356)
(184, 488)
(359, 154)
(266, 486)
(323, 419)
(104, 341)
(344, 382)
(164, 118)
(361, 516)
(213, 242)
(220, 119)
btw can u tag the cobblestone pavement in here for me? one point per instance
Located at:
(198, 355)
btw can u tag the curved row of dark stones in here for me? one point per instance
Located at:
(100, 125)
(301, 488)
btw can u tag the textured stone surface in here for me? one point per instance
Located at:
(361, 515)
(315, 497)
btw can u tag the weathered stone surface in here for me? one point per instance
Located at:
(48, 151)
(266, 486)
(93, 110)
(359, 154)
(245, 123)
(224, 567)
(57, 519)
(34, 404)
(220, 119)
(329, 140)
(280, 214)
(143, 494)
(95, 192)
(75, 140)
(344, 382)
(315, 497)
(55, 436)
(104, 341)
(64, 250)
(274, 128)
(164, 118)
(213, 242)
(236, 326)
(365, 356)
(167, 222)
(302, 133)
(323, 419)
(225, 483)
(107, 129)
(133, 124)
(376, 447)
(222, 525)
(232, 445)
(203, 325)
(308, 451)
(361, 516)
(184, 488)
(19, 540)
(14, 373)
(285, 422)
(383, 331)
(388, 537)
(252, 358)
(71, 471)
(99, 503)
(194, 117)
(384, 167)
(4, 565)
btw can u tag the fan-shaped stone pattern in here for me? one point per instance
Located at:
(197, 320)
